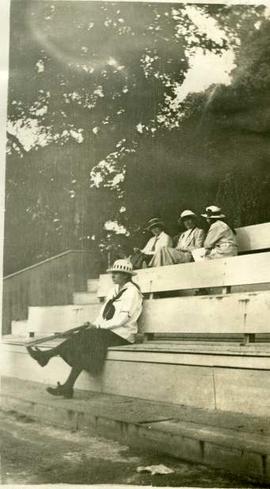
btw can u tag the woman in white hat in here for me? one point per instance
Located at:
(187, 242)
(115, 325)
(221, 239)
(141, 258)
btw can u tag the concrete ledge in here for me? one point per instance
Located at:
(226, 380)
(51, 319)
(237, 443)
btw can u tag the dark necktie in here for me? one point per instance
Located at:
(154, 244)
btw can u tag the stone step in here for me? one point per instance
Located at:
(92, 284)
(54, 319)
(19, 328)
(85, 298)
(237, 443)
(224, 380)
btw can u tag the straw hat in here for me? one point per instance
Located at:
(187, 213)
(155, 222)
(213, 212)
(123, 266)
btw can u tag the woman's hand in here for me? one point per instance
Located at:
(89, 325)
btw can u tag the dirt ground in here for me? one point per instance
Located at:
(32, 453)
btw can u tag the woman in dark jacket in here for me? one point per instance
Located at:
(115, 325)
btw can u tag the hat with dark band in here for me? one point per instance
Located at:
(213, 212)
(155, 222)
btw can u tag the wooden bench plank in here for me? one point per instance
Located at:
(182, 277)
(238, 270)
(253, 238)
(250, 238)
(235, 313)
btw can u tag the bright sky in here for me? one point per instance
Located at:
(206, 69)
(28, 135)
(205, 23)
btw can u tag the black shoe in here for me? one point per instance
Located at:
(38, 355)
(61, 390)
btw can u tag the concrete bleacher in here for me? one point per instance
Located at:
(205, 350)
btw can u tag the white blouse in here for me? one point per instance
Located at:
(128, 308)
(220, 241)
(159, 241)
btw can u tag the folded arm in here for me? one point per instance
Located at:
(117, 322)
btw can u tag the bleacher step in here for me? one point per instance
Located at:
(205, 347)
(92, 285)
(237, 443)
(85, 298)
(228, 380)
(19, 328)
(52, 319)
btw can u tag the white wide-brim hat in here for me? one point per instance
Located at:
(122, 266)
(186, 214)
(213, 212)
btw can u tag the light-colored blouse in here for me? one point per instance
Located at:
(156, 243)
(128, 308)
(220, 241)
(191, 239)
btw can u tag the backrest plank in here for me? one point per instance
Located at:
(238, 270)
(182, 277)
(253, 238)
(235, 313)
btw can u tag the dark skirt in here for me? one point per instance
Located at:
(88, 348)
(140, 260)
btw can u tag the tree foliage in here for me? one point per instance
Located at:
(97, 132)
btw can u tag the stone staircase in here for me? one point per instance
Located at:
(223, 377)
(52, 319)
(43, 321)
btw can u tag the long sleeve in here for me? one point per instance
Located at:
(199, 239)
(147, 250)
(215, 233)
(168, 241)
(220, 241)
(121, 319)
(175, 240)
(191, 240)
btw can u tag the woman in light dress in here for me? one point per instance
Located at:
(142, 258)
(221, 240)
(188, 241)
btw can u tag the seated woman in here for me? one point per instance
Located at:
(141, 258)
(115, 325)
(221, 239)
(188, 241)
